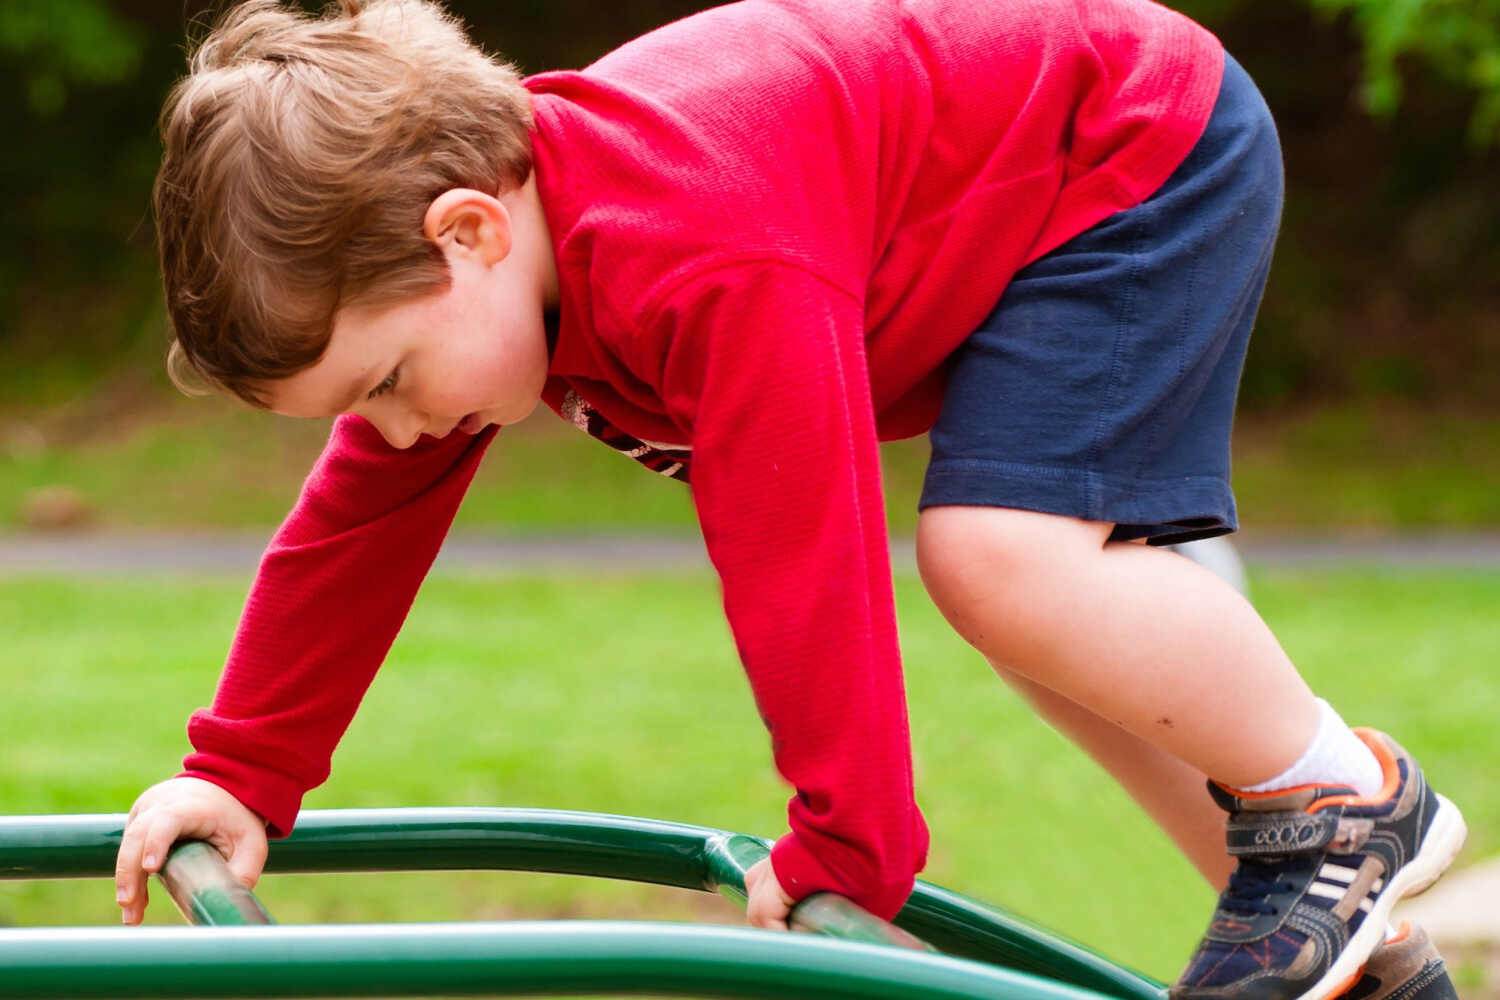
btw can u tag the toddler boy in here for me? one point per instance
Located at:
(742, 250)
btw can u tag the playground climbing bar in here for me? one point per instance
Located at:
(239, 953)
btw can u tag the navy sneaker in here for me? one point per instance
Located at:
(1407, 967)
(1319, 870)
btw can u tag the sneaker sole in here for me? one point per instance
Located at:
(1441, 845)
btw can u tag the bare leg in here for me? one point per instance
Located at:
(1143, 638)
(1170, 791)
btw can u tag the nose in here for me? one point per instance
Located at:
(399, 429)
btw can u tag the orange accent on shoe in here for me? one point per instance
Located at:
(1241, 794)
(1230, 927)
(1346, 985)
(1402, 933)
(1388, 767)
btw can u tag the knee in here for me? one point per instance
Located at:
(982, 564)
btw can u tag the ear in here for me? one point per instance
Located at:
(463, 220)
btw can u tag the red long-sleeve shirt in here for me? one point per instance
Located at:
(772, 224)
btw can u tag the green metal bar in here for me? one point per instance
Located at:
(575, 843)
(59, 846)
(509, 959)
(351, 840)
(206, 893)
(834, 916)
(199, 882)
(958, 925)
(728, 857)
(948, 921)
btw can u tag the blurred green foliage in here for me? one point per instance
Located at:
(82, 41)
(1389, 112)
(1459, 38)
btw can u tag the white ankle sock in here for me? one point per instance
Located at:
(1336, 757)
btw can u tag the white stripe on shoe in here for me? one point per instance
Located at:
(1444, 839)
(1337, 873)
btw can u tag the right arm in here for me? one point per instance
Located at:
(332, 591)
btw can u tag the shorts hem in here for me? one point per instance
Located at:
(1164, 511)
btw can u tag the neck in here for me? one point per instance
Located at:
(533, 239)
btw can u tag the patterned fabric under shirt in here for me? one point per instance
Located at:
(671, 460)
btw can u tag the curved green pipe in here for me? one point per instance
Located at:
(205, 891)
(491, 959)
(577, 843)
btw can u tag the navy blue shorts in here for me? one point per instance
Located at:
(1102, 386)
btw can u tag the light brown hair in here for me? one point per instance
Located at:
(301, 153)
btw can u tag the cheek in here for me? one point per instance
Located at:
(490, 371)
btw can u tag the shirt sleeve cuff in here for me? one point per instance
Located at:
(801, 875)
(274, 797)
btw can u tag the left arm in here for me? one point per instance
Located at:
(765, 361)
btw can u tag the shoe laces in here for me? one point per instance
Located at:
(1252, 884)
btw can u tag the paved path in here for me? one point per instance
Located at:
(1462, 913)
(1461, 910)
(238, 552)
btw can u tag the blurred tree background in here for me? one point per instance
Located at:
(1385, 288)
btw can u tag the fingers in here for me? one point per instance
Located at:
(766, 906)
(767, 909)
(130, 881)
(162, 832)
(766, 914)
(143, 850)
(248, 859)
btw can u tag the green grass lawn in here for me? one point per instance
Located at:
(158, 461)
(619, 693)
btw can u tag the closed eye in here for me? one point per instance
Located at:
(386, 384)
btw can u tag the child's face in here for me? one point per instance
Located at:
(473, 355)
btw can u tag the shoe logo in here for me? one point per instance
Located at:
(1230, 927)
(1352, 835)
(1289, 835)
